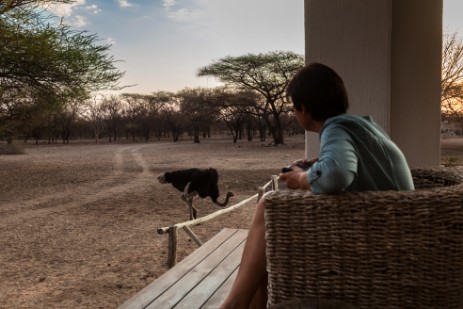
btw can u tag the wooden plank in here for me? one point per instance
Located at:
(188, 282)
(219, 296)
(143, 298)
(214, 280)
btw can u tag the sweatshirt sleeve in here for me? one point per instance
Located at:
(336, 167)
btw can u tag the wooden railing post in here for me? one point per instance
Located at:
(260, 193)
(172, 254)
(275, 185)
(193, 236)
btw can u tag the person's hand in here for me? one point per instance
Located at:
(296, 178)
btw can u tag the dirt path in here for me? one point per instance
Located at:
(81, 195)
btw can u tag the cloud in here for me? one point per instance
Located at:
(178, 11)
(110, 41)
(78, 21)
(168, 3)
(180, 14)
(63, 10)
(93, 8)
(68, 12)
(124, 3)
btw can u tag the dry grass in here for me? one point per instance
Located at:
(78, 222)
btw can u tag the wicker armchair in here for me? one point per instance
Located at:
(371, 249)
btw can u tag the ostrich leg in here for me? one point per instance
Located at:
(188, 198)
(191, 208)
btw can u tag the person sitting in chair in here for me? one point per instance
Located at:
(355, 155)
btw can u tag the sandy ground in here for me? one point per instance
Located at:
(78, 222)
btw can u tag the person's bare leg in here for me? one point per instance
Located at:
(252, 272)
(260, 297)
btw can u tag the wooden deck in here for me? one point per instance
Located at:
(201, 280)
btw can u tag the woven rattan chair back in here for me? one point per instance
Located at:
(377, 250)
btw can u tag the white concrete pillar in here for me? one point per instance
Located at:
(389, 54)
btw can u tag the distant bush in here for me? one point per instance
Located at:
(450, 161)
(11, 149)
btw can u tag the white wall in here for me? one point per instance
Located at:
(388, 53)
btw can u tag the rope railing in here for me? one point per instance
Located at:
(173, 229)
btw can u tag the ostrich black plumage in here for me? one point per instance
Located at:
(195, 181)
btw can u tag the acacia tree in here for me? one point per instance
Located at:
(236, 109)
(94, 114)
(163, 102)
(143, 111)
(112, 108)
(200, 109)
(7, 5)
(267, 74)
(68, 112)
(173, 122)
(452, 77)
(38, 59)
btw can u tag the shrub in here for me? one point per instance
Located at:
(11, 149)
(450, 161)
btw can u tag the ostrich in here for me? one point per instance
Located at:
(194, 181)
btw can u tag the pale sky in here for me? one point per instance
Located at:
(162, 43)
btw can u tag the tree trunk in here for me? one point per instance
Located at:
(196, 133)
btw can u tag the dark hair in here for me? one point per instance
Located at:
(320, 89)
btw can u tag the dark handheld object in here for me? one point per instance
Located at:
(298, 164)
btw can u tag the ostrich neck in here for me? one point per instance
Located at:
(227, 197)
